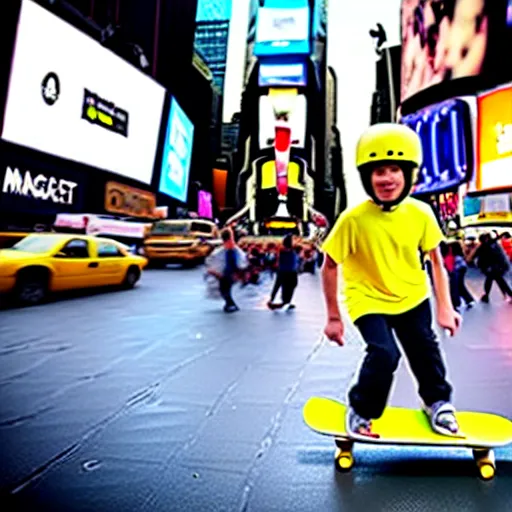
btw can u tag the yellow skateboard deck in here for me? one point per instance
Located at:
(400, 426)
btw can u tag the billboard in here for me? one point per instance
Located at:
(297, 122)
(177, 154)
(494, 156)
(282, 74)
(204, 204)
(444, 40)
(282, 31)
(446, 132)
(487, 210)
(68, 96)
(27, 184)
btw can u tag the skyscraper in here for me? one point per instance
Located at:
(211, 39)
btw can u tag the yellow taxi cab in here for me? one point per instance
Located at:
(180, 241)
(52, 262)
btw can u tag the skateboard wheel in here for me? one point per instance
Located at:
(344, 461)
(487, 471)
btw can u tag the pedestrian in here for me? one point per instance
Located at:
(387, 293)
(287, 275)
(494, 264)
(460, 270)
(226, 263)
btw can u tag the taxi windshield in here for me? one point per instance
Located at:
(37, 244)
(164, 228)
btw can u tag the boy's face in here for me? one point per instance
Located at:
(388, 182)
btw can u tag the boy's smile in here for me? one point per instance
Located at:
(388, 182)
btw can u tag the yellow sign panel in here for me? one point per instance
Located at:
(133, 202)
(269, 180)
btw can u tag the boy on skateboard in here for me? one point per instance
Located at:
(378, 244)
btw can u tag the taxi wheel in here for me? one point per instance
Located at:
(31, 288)
(131, 278)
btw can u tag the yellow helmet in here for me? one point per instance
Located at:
(389, 142)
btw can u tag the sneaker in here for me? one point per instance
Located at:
(290, 306)
(469, 305)
(231, 309)
(442, 419)
(357, 426)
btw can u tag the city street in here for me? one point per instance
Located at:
(154, 399)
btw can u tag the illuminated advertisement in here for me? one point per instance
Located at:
(443, 41)
(491, 210)
(446, 134)
(177, 154)
(204, 204)
(282, 31)
(86, 104)
(296, 121)
(448, 207)
(494, 157)
(289, 74)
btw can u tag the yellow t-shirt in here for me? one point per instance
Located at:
(380, 258)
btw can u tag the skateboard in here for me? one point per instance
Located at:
(480, 432)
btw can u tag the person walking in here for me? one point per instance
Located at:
(494, 264)
(287, 275)
(226, 263)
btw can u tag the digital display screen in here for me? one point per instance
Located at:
(282, 31)
(204, 204)
(442, 41)
(282, 75)
(70, 97)
(297, 122)
(494, 162)
(446, 134)
(177, 154)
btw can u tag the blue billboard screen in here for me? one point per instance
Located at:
(286, 74)
(282, 31)
(446, 134)
(177, 154)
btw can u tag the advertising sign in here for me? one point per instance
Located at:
(494, 158)
(446, 134)
(296, 120)
(286, 74)
(71, 97)
(204, 202)
(133, 202)
(27, 185)
(177, 154)
(281, 31)
(445, 40)
(491, 209)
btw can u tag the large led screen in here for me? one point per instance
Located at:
(286, 74)
(490, 209)
(282, 31)
(297, 121)
(204, 204)
(442, 41)
(177, 154)
(494, 162)
(446, 134)
(70, 97)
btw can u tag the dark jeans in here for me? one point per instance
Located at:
(492, 276)
(414, 330)
(458, 288)
(226, 283)
(288, 282)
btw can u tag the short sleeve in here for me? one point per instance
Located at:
(341, 241)
(432, 234)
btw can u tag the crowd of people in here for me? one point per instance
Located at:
(247, 262)
(491, 254)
